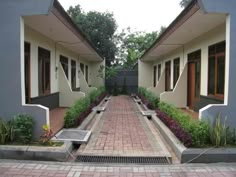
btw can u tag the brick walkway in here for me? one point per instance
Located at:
(53, 169)
(123, 131)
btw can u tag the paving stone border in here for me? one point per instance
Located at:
(193, 155)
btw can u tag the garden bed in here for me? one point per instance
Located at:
(188, 137)
(83, 107)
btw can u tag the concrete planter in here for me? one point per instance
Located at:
(60, 153)
(193, 155)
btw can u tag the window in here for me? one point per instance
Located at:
(73, 74)
(216, 70)
(154, 76)
(159, 71)
(86, 73)
(82, 67)
(64, 63)
(167, 75)
(176, 71)
(44, 71)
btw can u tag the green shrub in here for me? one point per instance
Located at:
(81, 106)
(218, 132)
(154, 100)
(6, 132)
(199, 130)
(23, 128)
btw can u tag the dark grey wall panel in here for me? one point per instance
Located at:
(51, 101)
(205, 100)
(131, 77)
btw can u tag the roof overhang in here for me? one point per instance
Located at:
(190, 24)
(58, 26)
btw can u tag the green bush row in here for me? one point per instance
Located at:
(154, 100)
(19, 129)
(81, 106)
(199, 130)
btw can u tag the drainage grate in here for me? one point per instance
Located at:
(132, 160)
(74, 135)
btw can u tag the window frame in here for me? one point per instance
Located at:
(73, 71)
(216, 56)
(45, 59)
(65, 63)
(176, 68)
(154, 76)
(159, 71)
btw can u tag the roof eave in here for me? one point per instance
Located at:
(62, 11)
(165, 34)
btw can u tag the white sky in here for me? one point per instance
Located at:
(140, 15)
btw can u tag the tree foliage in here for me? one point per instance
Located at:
(132, 45)
(99, 29)
(184, 3)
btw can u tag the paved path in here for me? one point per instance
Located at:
(53, 169)
(123, 131)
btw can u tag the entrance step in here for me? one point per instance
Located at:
(124, 159)
(76, 136)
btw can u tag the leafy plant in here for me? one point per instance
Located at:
(47, 135)
(82, 107)
(23, 128)
(218, 132)
(148, 98)
(6, 132)
(199, 130)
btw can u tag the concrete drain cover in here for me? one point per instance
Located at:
(99, 109)
(74, 135)
(137, 100)
(148, 113)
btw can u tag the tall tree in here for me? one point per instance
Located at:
(99, 29)
(132, 45)
(184, 3)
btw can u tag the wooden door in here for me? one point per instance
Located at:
(167, 76)
(191, 84)
(27, 73)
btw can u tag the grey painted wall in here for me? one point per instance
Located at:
(229, 107)
(12, 58)
(131, 80)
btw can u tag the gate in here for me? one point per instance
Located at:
(125, 82)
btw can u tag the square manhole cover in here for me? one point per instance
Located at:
(74, 135)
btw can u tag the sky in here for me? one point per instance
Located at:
(140, 15)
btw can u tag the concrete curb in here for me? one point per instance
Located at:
(194, 155)
(61, 153)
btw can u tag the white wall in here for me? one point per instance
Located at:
(37, 40)
(203, 42)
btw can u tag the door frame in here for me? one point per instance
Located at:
(193, 58)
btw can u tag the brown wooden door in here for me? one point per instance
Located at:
(27, 73)
(191, 84)
(167, 76)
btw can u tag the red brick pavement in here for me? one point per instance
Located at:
(121, 131)
(54, 169)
